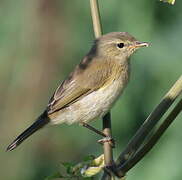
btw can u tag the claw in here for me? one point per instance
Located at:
(108, 139)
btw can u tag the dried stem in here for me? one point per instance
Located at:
(107, 146)
(96, 18)
(108, 155)
(153, 140)
(150, 122)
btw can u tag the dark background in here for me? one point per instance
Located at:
(40, 43)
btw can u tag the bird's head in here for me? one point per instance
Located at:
(118, 45)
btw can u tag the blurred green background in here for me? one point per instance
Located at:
(40, 43)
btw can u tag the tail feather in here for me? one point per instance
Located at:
(39, 123)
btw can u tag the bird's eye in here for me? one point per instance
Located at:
(120, 45)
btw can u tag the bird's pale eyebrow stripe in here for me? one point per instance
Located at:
(111, 42)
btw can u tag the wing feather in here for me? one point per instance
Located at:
(86, 78)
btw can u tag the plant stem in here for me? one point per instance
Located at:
(96, 18)
(150, 122)
(153, 140)
(108, 155)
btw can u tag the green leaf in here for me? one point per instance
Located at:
(89, 158)
(169, 1)
(69, 167)
(54, 176)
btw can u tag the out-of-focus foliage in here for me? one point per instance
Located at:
(40, 43)
(89, 167)
(169, 1)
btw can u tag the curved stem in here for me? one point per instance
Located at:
(153, 140)
(150, 122)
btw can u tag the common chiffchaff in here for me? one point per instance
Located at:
(91, 89)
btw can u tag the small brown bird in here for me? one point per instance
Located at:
(91, 89)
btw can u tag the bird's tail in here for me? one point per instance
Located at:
(41, 121)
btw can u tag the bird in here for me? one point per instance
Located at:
(92, 88)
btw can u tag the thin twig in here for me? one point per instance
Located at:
(108, 155)
(153, 140)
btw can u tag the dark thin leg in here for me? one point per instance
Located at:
(106, 138)
(93, 129)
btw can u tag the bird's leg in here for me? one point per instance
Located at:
(104, 139)
(93, 129)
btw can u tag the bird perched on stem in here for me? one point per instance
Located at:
(91, 89)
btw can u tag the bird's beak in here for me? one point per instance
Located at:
(139, 44)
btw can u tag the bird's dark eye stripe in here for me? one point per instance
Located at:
(120, 45)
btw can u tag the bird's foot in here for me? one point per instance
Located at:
(107, 139)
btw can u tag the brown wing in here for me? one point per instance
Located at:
(86, 78)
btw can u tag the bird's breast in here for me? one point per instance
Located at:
(96, 104)
(108, 95)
